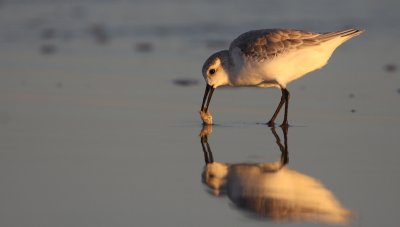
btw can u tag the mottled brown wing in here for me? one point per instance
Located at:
(266, 44)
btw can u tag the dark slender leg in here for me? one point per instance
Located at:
(271, 122)
(286, 95)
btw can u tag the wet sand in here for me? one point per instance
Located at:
(100, 133)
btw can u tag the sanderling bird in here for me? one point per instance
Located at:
(269, 58)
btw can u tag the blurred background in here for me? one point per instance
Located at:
(99, 101)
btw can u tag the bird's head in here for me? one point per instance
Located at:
(215, 71)
(215, 74)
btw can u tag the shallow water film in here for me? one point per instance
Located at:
(100, 124)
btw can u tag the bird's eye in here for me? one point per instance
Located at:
(212, 71)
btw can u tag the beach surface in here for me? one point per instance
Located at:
(99, 102)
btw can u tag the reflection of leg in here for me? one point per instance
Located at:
(277, 139)
(282, 148)
(285, 154)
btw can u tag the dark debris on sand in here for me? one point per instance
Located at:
(185, 82)
(48, 33)
(390, 68)
(47, 49)
(99, 33)
(144, 47)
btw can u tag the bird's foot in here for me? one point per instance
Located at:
(284, 126)
(271, 124)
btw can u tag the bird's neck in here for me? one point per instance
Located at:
(228, 65)
(233, 70)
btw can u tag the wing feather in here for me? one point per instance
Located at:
(266, 44)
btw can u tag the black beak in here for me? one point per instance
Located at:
(207, 97)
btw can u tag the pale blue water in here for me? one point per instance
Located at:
(94, 132)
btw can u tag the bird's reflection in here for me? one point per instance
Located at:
(271, 190)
